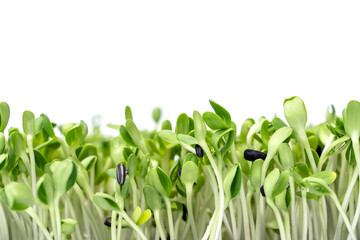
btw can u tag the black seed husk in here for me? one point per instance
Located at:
(252, 155)
(107, 222)
(179, 172)
(262, 191)
(184, 215)
(121, 173)
(199, 151)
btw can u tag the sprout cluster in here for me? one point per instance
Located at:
(201, 178)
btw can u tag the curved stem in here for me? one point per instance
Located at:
(278, 218)
(292, 209)
(190, 210)
(158, 225)
(113, 225)
(170, 217)
(29, 139)
(305, 214)
(35, 217)
(119, 228)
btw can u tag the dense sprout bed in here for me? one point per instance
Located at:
(202, 177)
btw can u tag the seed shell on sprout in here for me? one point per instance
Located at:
(179, 172)
(199, 151)
(262, 191)
(121, 173)
(252, 155)
(107, 222)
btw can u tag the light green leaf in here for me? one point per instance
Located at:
(255, 174)
(182, 124)
(232, 182)
(189, 173)
(270, 182)
(214, 121)
(68, 226)
(286, 156)
(4, 115)
(45, 189)
(28, 119)
(64, 176)
(276, 139)
(48, 127)
(156, 114)
(295, 113)
(221, 112)
(187, 139)
(168, 136)
(17, 196)
(135, 135)
(75, 135)
(128, 113)
(106, 202)
(144, 217)
(200, 128)
(152, 198)
(327, 176)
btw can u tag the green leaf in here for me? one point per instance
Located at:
(255, 174)
(39, 124)
(89, 162)
(87, 150)
(160, 181)
(280, 201)
(221, 112)
(64, 176)
(232, 182)
(135, 135)
(276, 139)
(200, 128)
(189, 173)
(112, 173)
(156, 114)
(270, 182)
(106, 202)
(277, 123)
(152, 198)
(4, 115)
(317, 186)
(187, 139)
(40, 160)
(168, 136)
(182, 124)
(68, 226)
(132, 163)
(136, 214)
(17, 196)
(286, 156)
(3, 158)
(144, 217)
(264, 131)
(126, 136)
(302, 169)
(128, 113)
(191, 157)
(18, 143)
(352, 119)
(245, 129)
(48, 127)
(327, 176)
(295, 113)
(45, 189)
(214, 121)
(75, 135)
(2, 143)
(28, 123)
(166, 125)
(281, 184)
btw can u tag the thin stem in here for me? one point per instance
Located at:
(170, 217)
(249, 195)
(355, 141)
(305, 214)
(278, 218)
(343, 214)
(33, 178)
(233, 220)
(113, 225)
(287, 224)
(5, 229)
(35, 217)
(220, 184)
(57, 216)
(134, 192)
(190, 210)
(119, 228)
(292, 209)
(158, 225)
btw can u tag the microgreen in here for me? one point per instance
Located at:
(200, 178)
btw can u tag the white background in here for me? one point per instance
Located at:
(74, 59)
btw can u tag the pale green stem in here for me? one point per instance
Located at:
(249, 195)
(29, 139)
(53, 220)
(34, 216)
(170, 217)
(57, 216)
(355, 141)
(113, 225)
(343, 214)
(177, 224)
(322, 218)
(134, 192)
(278, 218)
(5, 230)
(133, 225)
(227, 226)
(233, 220)
(220, 184)
(242, 197)
(158, 224)
(72, 212)
(346, 200)
(305, 214)
(119, 228)
(287, 224)
(190, 210)
(292, 209)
